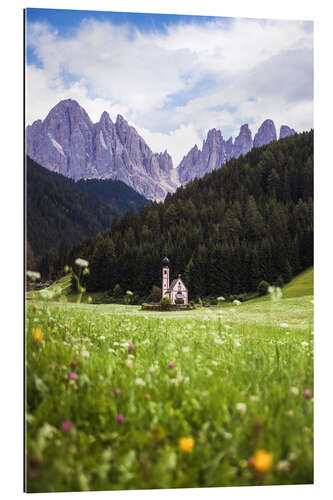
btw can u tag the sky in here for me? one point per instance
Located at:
(172, 77)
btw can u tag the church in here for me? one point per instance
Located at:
(177, 289)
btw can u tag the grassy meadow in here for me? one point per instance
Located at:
(119, 398)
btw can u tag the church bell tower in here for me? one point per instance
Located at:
(165, 276)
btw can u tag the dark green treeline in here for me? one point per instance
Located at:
(248, 221)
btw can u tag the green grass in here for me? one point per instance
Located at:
(237, 354)
(300, 286)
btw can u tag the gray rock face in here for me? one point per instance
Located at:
(69, 143)
(243, 142)
(286, 131)
(265, 134)
(215, 152)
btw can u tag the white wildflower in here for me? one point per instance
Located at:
(209, 372)
(275, 292)
(241, 408)
(237, 343)
(294, 391)
(215, 363)
(102, 337)
(236, 302)
(254, 398)
(140, 382)
(81, 262)
(146, 341)
(85, 354)
(220, 299)
(218, 341)
(304, 343)
(33, 275)
(129, 363)
(111, 350)
(186, 349)
(284, 325)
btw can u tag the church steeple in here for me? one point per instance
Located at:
(165, 276)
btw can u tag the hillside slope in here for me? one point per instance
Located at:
(300, 286)
(61, 212)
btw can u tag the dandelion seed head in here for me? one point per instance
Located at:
(81, 262)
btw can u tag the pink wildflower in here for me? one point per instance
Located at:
(307, 393)
(171, 365)
(117, 392)
(73, 376)
(120, 418)
(130, 347)
(67, 425)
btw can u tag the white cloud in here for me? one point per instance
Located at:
(176, 85)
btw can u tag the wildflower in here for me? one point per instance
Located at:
(186, 349)
(220, 299)
(35, 307)
(37, 335)
(236, 302)
(284, 325)
(218, 341)
(130, 347)
(73, 376)
(81, 262)
(283, 466)
(129, 363)
(102, 337)
(33, 275)
(120, 418)
(294, 391)
(290, 413)
(304, 343)
(67, 326)
(171, 365)
(85, 354)
(237, 343)
(117, 392)
(140, 382)
(275, 292)
(307, 393)
(262, 461)
(254, 398)
(67, 425)
(186, 444)
(241, 408)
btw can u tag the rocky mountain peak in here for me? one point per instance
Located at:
(243, 142)
(286, 131)
(266, 133)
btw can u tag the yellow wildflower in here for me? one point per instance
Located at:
(67, 326)
(262, 461)
(35, 307)
(37, 335)
(186, 444)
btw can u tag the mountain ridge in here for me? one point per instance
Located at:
(69, 143)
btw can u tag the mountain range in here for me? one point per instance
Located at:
(69, 143)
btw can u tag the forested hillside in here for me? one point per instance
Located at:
(115, 193)
(250, 220)
(61, 213)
